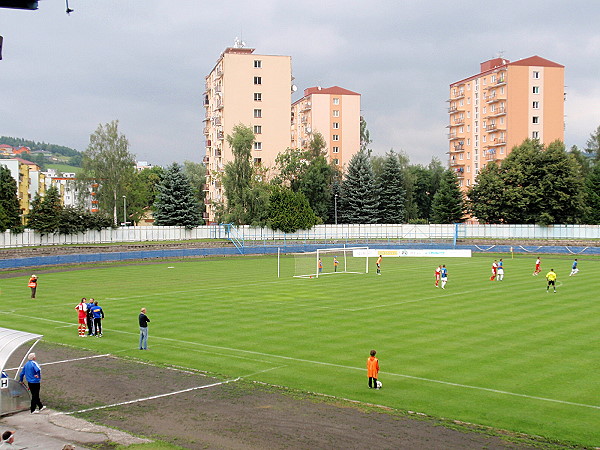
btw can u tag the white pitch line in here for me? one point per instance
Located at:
(138, 400)
(69, 360)
(429, 380)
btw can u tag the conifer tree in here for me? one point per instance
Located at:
(175, 204)
(390, 191)
(448, 204)
(359, 200)
(45, 213)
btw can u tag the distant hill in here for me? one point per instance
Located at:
(59, 153)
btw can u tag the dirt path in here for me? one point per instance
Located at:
(210, 414)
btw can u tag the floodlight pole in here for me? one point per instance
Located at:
(335, 207)
(124, 210)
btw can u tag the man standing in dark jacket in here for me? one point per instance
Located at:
(143, 319)
(33, 374)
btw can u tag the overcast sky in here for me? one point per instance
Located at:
(143, 62)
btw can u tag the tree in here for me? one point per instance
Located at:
(289, 211)
(593, 145)
(359, 201)
(196, 173)
(542, 186)
(486, 197)
(291, 165)
(107, 161)
(176, 204)
(316, 145)
(448, 202)
(45, 213)
(238, 177)
(315, 184)
(390, 191)
(9, 202)
(592, 188)
(365, 136)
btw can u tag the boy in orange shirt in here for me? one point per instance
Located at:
(372, 369)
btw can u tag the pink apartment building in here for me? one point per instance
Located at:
(500, 107)
(335, 113)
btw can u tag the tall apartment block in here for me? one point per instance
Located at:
(500, 107)
(249, 89)
(335, 113)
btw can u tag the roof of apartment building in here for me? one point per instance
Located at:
(535, 61)
(493, 64)
(333, 90)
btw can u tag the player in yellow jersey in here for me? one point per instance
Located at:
(551, 277)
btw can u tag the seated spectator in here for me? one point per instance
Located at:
(8, 437)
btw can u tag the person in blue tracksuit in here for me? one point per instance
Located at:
(33, 374)
(98, 316)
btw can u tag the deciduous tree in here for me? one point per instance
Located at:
(9, 202)
(107, 161)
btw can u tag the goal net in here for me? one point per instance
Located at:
(330, 261)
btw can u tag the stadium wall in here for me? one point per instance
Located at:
(288, 247)
(342, 232)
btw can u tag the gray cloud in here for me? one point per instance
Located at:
(144, 62)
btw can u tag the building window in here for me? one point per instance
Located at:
(336, 101)
(536, 89)
(536, 119)
(257, 63)
(336, 161)
(336, 149)
(535, 135)
(335, 137)
(257, 129)
(257, 97)
(258, 146)
(536, 105)
(257, 113)
(257, 80)
(336, 125)
(336, 113)
(536, 74)
(257, 161)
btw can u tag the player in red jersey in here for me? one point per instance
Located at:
(82, 316)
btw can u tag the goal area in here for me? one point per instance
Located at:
(331, 261)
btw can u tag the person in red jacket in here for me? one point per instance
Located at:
(372, 369)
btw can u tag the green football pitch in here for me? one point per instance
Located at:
(504, 354)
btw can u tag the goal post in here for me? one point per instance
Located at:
(331, 261)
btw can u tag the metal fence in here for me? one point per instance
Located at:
(323, 233)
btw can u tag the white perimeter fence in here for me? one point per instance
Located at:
(343, 232)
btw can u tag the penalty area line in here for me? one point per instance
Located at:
(153, 397)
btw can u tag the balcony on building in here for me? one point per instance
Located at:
(498, 112)
(459, 147)
(453, 109)
(459, 120)
(208, 143)
(216, 121)
(220, 135)
(206, 159)
(205, 187)
(306, 106)
(206, 131)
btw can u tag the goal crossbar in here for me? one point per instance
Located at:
(330, 261)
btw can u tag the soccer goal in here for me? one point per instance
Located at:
(331, 261)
